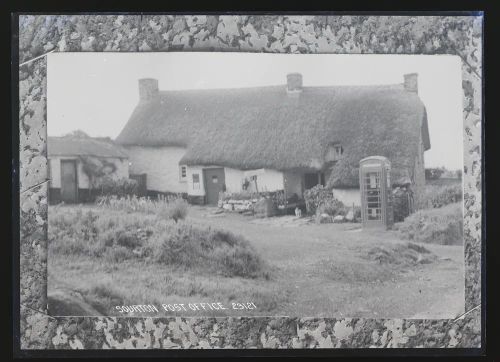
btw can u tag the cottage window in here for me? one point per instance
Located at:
(182, 173)
(338, 151)
(334, 153)
(196, 181)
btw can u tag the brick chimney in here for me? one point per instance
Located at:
(148, 89)
(411, 82)
(294, 83)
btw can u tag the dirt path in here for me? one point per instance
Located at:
(324, 273)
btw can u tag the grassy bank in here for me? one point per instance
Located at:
(123, 254)
(443, 225)
(114, 258)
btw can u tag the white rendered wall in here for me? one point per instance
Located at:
(160, 164)
(348, 196)
(234, 179)
(267, 180)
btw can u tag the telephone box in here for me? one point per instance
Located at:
(376, 192)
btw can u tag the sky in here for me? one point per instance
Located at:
(97, 92)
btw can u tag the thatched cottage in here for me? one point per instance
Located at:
(76, 162)
(286, 137)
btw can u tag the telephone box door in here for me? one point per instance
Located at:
(375, 186)
(372, 195)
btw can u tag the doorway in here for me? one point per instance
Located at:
(214, 183)
(312, 179)
(69, 188)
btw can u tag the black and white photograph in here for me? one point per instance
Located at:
(250, 184)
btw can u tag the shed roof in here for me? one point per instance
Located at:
(84, 146)
(264, 127)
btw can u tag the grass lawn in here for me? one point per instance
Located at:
(298, 269)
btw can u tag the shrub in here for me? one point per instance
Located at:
(433, 173)
(107, 186)
(438, 196)
(175, 210)
(357, 213)
(216, 250)
(319, 195)
(332, 207)
(73, 233)
(438, 226)
(402, 203)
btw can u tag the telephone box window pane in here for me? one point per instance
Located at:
(373, 181)
(374, 214)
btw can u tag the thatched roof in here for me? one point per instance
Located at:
(264, 127)
(84, 146)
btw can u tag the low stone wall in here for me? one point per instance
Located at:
(238, 205)
(263, 207)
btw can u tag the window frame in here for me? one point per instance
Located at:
(338, 151)
(196, 183)
(185, 177)
(335, 152)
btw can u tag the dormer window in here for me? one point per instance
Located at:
(334, 153)
(338, 151)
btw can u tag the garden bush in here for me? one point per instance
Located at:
(440, 195)
(107, 186)
(434, 173)
(332, 207)
(437, 226)
(321, 196)
(402, 203)
(217, 250)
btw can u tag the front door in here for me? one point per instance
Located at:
(68, 181)
(214, 183)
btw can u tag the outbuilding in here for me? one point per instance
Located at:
(77, 162)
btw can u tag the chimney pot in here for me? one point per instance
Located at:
(411, 82)
(294, 82)
(148, 89)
